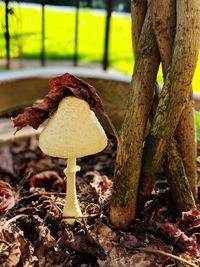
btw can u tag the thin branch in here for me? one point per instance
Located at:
(156, 251)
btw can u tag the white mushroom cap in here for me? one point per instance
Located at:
(73, 131)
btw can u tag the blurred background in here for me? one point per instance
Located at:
(92, 31)
(86, 33)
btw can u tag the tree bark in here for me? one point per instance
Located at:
(175, 92)
(179, 186)
(163, 14)
(164, 28)
(128, 165)
(138, 13)
(187, 145)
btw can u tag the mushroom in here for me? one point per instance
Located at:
(73, 131)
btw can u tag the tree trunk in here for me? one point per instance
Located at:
(179, 186)
(164, 28)
(175, 93)
(128, 165)
(179, 61)
(138, 13)
(187, 145)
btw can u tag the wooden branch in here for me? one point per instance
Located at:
(179, 185)
(163, 17)
(127, 174)
(168, 255)
(175, 92)
(164, 22)
(187, 144)
(163, 14)
(138, 13)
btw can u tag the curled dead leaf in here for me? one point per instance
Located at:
(47, 249)
(117, 252)
(61, 86)
(100, 183)
(190, 222)
(83, 242)
(129, 241)
(15, 249)
(7, 200)
(179, 238)
(50, 180)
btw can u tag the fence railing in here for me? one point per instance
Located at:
(105, 59)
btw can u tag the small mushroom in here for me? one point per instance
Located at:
(73, 131)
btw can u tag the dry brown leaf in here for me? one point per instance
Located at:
(7, 200)
(100, 183)
(15, 249)
(184, 234)
(83, 242)
(6, 161)
(61, 86)
(117, 255)
(50, 180)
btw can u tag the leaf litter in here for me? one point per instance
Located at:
(32, 232)
(61, 86)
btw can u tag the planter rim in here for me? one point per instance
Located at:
(83, 72)
(47, 73)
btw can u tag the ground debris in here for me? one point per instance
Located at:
(184, 234)
(121, 248)
(14, 247)
(6, 161)
(83, 242)
(49, 180)
(7, 199)
(32, 232)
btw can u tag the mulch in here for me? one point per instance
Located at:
(32, 233)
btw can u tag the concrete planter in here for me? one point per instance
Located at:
(22, 88)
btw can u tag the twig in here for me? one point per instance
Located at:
(13, 220)
(119, 143)
(156, 251)
(41, 194)
(26, 176)
(82, 217)
(52, 205)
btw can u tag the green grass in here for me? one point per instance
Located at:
(60, 38)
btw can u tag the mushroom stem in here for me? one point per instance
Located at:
(71, 208)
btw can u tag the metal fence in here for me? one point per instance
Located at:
(105, 59)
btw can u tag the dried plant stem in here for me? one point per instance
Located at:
(156, 251)
(14, 219)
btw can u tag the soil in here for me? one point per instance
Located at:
(32, 232)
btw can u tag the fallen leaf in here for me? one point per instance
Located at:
(15, 249)
(83, 242)
(184, 234)
(190, 222)
(179, 239)
(129, 241)
(62, 86)
(100, 183)
(6, 161)
(50, 180)
(7, 200)
(117, 255)
(46, 245)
